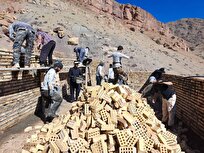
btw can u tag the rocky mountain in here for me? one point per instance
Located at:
(191, 30)
(103, 25)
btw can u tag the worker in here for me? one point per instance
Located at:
(110, 74)
(46, 44)
(157, 74)
(51, 90)
(81, 53)
(117, 62)
(99, 73)
(168, 102)
(18, 33)
(74, 72)
(153, 99)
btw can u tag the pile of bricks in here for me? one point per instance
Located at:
(108, 118)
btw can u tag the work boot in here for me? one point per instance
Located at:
(16, 66)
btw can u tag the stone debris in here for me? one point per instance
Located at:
(73, 41)
(59, 31)
(108, 118)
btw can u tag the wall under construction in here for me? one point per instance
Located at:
(190, 98)
(20, 90)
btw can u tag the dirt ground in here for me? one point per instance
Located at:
(13, 139)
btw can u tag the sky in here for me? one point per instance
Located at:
(170, 10)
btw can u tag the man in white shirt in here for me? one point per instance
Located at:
(110, 74)
(99, 73)
(117, 63)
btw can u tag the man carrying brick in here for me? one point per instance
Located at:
(51, 91)
(168, 102)
(19, 32)
(117, 62)
(47, 45)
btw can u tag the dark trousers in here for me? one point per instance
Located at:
(98, 80)
(74, 86)
(46, 52)
(110, 80)
(21, 36)
(51, 102)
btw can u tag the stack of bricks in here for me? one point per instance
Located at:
(6, 57)
(108, 118)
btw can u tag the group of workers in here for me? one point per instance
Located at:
(51, 90)
(20, 32)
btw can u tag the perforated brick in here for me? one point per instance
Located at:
(122, 137)
(127, 150)
(93, 132)
(74, 147)
(104, 115)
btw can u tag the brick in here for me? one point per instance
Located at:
(104, 115)
(163, 149)
(122, 137)
(29, 128)
(127, 150)
(107, 127)
(74, 133)
(54, 147)
(102, 137)
(87, 112)
(132, 140)
(78, 144)
(84, 151)
(62, 145)
(92, 132)
(141, 146)
(128, 117)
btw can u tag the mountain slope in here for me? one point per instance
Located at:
(191, 30)
(103, 33)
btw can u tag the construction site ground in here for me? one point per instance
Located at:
(13, 139)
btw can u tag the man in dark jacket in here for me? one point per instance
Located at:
(74, 72)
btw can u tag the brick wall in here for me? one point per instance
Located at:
(190, 101)
(19, 90)
(190, 97)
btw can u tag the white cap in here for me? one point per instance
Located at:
(152, 79)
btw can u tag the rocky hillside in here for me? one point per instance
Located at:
(191, 30)
(147, 45)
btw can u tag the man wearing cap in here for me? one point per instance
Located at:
(51, 91)
(19, 32)
(74, 72)
(117, 62)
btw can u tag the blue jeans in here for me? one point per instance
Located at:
(80, 54)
